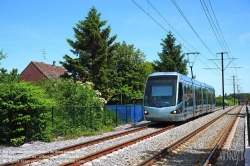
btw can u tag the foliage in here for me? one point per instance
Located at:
(128, 72)
(68, 93)
(240, 97)
(228, 101)
(73, 121)
(117, 70)
(24, 112)
(92, 47)
(171, 57)
(2, 55)
(79, 108)
(6, 77)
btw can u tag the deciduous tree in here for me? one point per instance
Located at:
(129, 72)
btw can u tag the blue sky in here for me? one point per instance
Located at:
(29, 27)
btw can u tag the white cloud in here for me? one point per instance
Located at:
(243, 38)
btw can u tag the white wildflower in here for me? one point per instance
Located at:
(90, 83)
(98, 92)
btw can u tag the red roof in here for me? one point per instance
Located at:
(48, 70)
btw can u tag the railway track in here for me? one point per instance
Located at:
(34, 160)
(56, 152)
(70, 149)
(170, 152)
(212, 157)
(103, 152)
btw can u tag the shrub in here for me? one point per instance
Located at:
(24, 111)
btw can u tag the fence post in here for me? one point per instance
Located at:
(126, 113)
(74, 117)
(134, 115)
(52, 116)
(90, 117)
(142, 113)
(116, 116)
(248, 134)
(104, 115)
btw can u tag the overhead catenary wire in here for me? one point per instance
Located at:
(174, 29)
(204, 6)
(167, 31)
(183, 15)
(213, 26)
(157, 22)
(169, 23)
(219, 27)
(228, 50)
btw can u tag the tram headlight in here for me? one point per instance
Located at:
(145, 112)
(178, 111)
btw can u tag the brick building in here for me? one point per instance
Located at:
(37, 70)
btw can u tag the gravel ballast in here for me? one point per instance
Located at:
(126, 156)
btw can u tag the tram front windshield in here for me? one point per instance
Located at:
(160, 91)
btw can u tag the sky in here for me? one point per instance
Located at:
(37, 30)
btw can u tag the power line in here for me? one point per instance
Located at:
(218, 26)
(220, 34)
(171, 27)
(168, 23)
(208, 15)
(176, 5)
(157, 22)
(192, 26)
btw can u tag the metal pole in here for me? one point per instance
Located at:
(234, 89)
(192, 71)
(191, 63)
(222, 81)
(248, 134)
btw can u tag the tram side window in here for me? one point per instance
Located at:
(201, 99)
(185, 92)
(190, 95)
(204, 96)
(196, 96)
(185, 95)
(214, 98)
(209, 98)
(180, 93)
(200, 95)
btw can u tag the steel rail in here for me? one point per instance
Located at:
(106, 151)
(214, 153)
(149, 161)
(56, 152)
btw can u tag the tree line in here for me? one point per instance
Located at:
(99, 71)
(117, 69)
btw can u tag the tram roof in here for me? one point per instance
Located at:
(183, 78)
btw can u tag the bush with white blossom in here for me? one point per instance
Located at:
(79, 107)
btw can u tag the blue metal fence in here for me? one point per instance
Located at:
(128, 113)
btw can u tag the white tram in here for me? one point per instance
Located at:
(173, 97)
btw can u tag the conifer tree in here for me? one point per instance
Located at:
(91, 47)
(171, 57)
